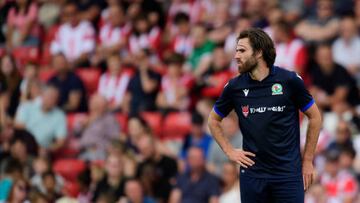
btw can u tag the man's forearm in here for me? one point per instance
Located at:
(217, 133)
(312, 136)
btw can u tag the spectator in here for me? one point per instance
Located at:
(137, 126)
(84, 181)
(10, 81)
(342, 137)
(320, 28)
(71, 88)
(49, 13)
(112, 35)
(175, 87)
(144, 86)
(197, 184)
(213, 73)
(112, 184)
(144, 36)
(181, 41)
(291, 52)
(75, 38)
(316, 194)
(231, 185)
(45, 121)
(30, 76)
(197, 137)
(41, 166)
(19, 192)
(342, 89)
(216, 157)
(274, 16)
(134, 193)
(202, 48)
(128, 157)
(5, 7)
(340, 185)
(346, 48)
(156, 171)
(49, 183)
(114, 83)
(97, 130)
(346, 160)
(22, 25)
(12, 171)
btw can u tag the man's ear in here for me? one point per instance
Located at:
(259, 54)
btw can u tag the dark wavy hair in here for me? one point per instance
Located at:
(260, 41)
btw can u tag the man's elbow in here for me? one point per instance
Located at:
(213, 119)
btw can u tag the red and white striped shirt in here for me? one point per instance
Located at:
(74, 41)
(145, 40)
(109, 35)
(182, 44)
(291, 55)
(113, 87)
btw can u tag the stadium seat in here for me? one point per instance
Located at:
(46, 74)
(176, 125)
(90, 78)
(69, 168)
(154, 120)
(26, 54)
(71, 189)
(122, 119)
(72, 119)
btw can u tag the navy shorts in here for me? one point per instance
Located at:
(259, 190)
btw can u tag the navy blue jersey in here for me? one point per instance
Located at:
(268, 112)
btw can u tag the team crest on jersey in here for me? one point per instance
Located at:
(277, 89)
(245, 110)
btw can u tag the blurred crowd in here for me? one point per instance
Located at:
(107, 100)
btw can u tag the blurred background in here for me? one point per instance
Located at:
(107, 100)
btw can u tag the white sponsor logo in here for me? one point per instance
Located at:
(246, 92)
(264, 109)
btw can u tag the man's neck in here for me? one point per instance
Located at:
(260, 72)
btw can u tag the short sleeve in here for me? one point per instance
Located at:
(300, 95)
(61, 130)
(224, 104)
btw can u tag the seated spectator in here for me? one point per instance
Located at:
(231, 187)
(342, 137)
(346, 160)
(30, 76)
(44, 120)
(197, 137)
(10, 79)
(128, 157)
(181, 41)
(175, 87)
(144, 86)
(112, 35)
(274, 16)
(197, 184)
(316, 194)
(320, 28)
(340, 185)
(114, 83)
(74, 38)
(156, 171)
(19, 191)
(71, 88)
(144, 36)
(5, 7)
(213, 73)
(134, 193)
(291, 52)
(40, 167)
(114, 181)
(346, 48)
(137, 126)
(97, 130)
(84, 182)
(202, 48)
(217, 158)
(341, 91)
(13, 170)
(22, 25)
(49, 182)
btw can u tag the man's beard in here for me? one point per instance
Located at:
(248, 66)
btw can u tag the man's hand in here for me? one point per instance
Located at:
(308, 174)
(240, 157)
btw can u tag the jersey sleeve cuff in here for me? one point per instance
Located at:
(216, 110)
(307, 106)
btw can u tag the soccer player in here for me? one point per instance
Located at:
(267, 100)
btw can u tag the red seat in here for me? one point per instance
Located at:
(154, 120)
(72, 119)
(46, 74)
(176, 125)
(90, 77)
(69, 168)
(26, 54)
(71, 189)
(122, 119)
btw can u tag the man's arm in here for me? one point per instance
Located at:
(312, 136)
(237, 155)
